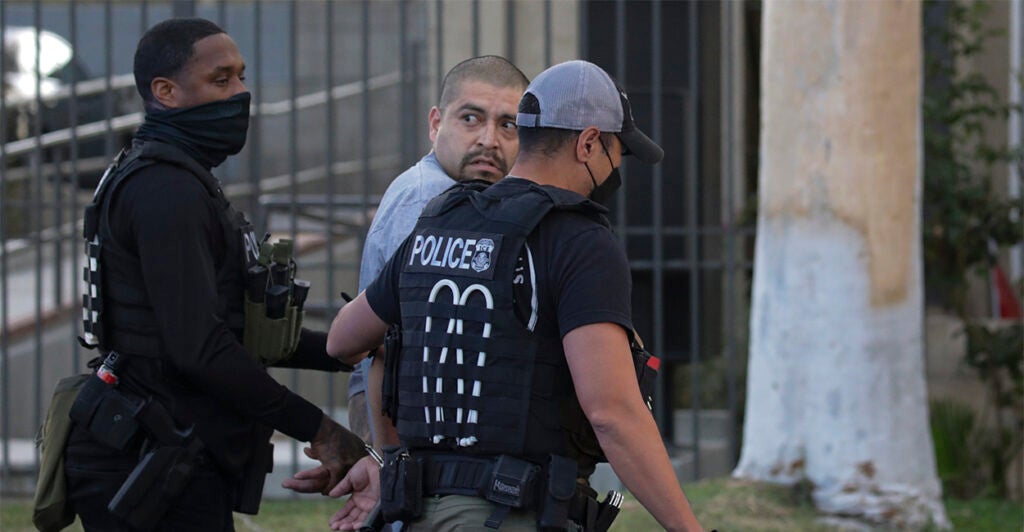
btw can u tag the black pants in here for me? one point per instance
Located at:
(95, 473)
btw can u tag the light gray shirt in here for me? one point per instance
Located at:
(396, 216)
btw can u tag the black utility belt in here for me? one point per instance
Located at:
(551, 490)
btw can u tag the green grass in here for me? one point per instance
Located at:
(728, 505)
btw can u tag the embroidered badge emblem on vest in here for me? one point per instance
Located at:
(482, 257)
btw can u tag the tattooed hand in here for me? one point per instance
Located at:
(337, 449)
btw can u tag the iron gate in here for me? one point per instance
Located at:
(341, 91)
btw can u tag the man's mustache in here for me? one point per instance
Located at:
(494, 155)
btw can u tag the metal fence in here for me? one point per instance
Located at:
(341, 91)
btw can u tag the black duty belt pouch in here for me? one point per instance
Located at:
(646, 366)
(561, 486)
(251, 492)
(154, 484)
(106, 413)
(512, 482)
(401, 486)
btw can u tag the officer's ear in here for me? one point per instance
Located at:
(434, 119)
(165, 91)
(588, 144)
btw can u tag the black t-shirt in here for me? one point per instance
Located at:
(582, 275)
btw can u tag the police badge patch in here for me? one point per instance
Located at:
(482, 257)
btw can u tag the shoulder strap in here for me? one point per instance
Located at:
(527, 209)
(125, 164)
(455, 195)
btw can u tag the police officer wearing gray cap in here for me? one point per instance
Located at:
(514, 373)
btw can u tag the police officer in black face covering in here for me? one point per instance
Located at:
(168, 262)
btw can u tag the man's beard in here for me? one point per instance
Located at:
(495, 158)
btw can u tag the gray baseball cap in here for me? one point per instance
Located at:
(576, 95)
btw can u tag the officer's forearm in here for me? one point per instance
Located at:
(355, 330)
(630, 440)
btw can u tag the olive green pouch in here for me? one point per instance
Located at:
(271, 341)
(51, 510)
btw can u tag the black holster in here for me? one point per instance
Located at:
(154, 484)
(401, 486)
(117, 418)
(558, 493)
(255, 475)
(389, 386)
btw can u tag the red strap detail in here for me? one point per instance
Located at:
(654, 363)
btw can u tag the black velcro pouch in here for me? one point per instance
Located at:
(389, 387)
(107, 414)
(646, 366)
(512, 482)
(561, 486)
(401, 486)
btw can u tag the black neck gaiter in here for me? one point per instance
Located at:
(209, 132)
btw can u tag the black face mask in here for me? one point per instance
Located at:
(604, 191)
(208, 132)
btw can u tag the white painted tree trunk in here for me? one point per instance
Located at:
(836, 392)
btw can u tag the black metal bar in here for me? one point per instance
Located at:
(222, 14)
(366, 136)
(37, 225)
(329, 161)
(664, 399)
(415, 51)
(729, 175)
(76, 353)
(293, 164)
(405, 113)
(547, 33)
(620, 77)
(510, 31)
(439, 43)
(183, 8)
(584, 28)
(5, 379)
(693, 178)
(108, 71)
(293, 118)
(476, 27)
(254, 141)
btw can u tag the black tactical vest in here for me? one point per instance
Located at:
(472, 377)
(117, 314)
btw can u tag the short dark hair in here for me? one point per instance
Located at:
(491, 69)
(545, 141)
(165, 49)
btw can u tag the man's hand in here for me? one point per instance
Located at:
(363, 482)
(337, 450)
(314, 480)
